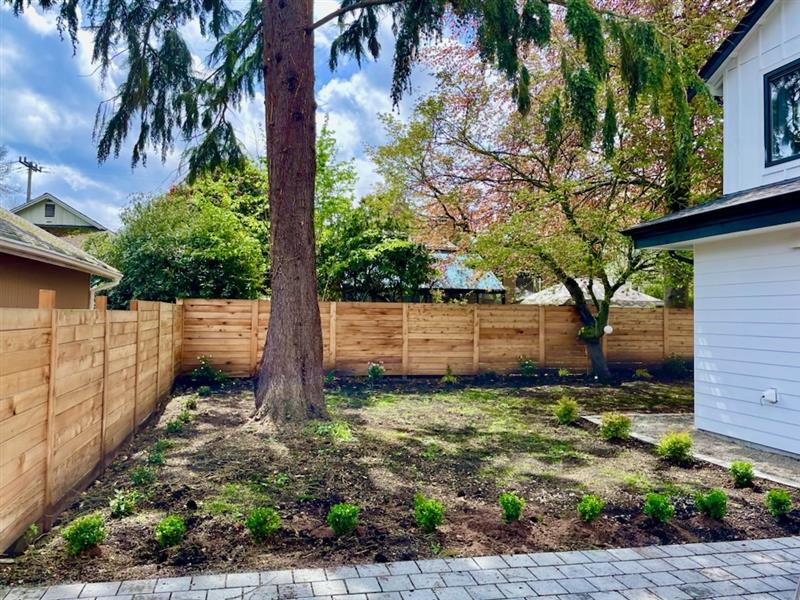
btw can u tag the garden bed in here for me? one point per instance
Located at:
(463, 444)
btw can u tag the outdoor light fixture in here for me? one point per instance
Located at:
(608, 330)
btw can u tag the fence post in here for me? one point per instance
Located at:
(404, 357)
(158, 354)
(134, 306)
(476, 339)
(47, 298)
(542, 332)
(665, 315)
(332, 335)
(101, 306)
(51, 407)
(253, 336)
(179, 309)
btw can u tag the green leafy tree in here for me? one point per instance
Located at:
(366, 255)
(180, 246)
(162, 99)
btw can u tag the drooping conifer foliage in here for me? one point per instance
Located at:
(163, 99)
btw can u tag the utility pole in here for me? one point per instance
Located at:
(31, 166)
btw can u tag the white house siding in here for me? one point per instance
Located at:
(35, 214)
(747, 337)
(773, 42)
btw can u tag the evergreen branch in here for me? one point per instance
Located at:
(348, 9)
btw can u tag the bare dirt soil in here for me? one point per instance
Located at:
(463, 444)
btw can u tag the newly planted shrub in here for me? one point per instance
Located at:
(174, 426)
(615, 426)
(567, 411)
(658, 507)
(162, 445)
(527, 367)
(343, 518)
(589, 508)
(676, 447)
(190, 404)
(742, 473)
(675, 366)
(143, 476)
(83, 533)
(185, 416)
(449, 377)
(428, 512)
(714, 504)
(206, 374)
(778, 503)
(155, 457)
(512, 506)
(642, 374)
(170, 531)
(123, 504)
(204, 391)
(262, 523)
(375, 372)
(563, 372)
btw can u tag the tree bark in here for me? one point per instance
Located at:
(289, 386)
(596, 323)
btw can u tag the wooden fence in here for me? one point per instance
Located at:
(74, 385)
(424, 339)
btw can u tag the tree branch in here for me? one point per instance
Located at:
(346, 9)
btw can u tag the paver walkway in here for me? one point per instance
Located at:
(755, 569)
(715, 449)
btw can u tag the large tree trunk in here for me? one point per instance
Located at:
(592, 328)
(289, 384)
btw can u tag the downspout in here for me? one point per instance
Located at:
(101, 288)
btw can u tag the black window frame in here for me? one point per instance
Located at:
(49, 205)
(768, 78)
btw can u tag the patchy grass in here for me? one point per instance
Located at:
(387, 442)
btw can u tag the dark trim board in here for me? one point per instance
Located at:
(699, 222)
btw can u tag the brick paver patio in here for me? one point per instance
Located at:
(755, 569)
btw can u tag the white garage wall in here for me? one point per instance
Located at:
(747, 337)
(773, 42)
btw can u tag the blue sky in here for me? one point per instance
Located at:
(48, 99)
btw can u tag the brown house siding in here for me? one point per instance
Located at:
(21, 279)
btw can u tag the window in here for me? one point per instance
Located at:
(782, 118)
(50, 210)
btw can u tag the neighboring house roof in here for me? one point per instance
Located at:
(558, 295)
(47, 197)
(730, 43)
(22, 238)
(454, 274)
(755, 208)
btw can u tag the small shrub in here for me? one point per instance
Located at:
(343, 518)
(31, 533)
(206, 374)
(428, 512)
(190, 404)
(375, 372)
(742, 473)
(563, 372)
(676, 367)
(143, 476)
(174, 426)
(658, 507)
(83, 533)
(449, 377)
(123, 504)
(527, 367)
(170, 531)
(642, 374)
(204, 391)
(676, 447)
(714, 504)
(566, 411)
(589, 508)
(162, 445)
(330, 378)
(262, 523)
(615, 426)
(185, 416)
(512, 506)
(778, 503)
(155, 458)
